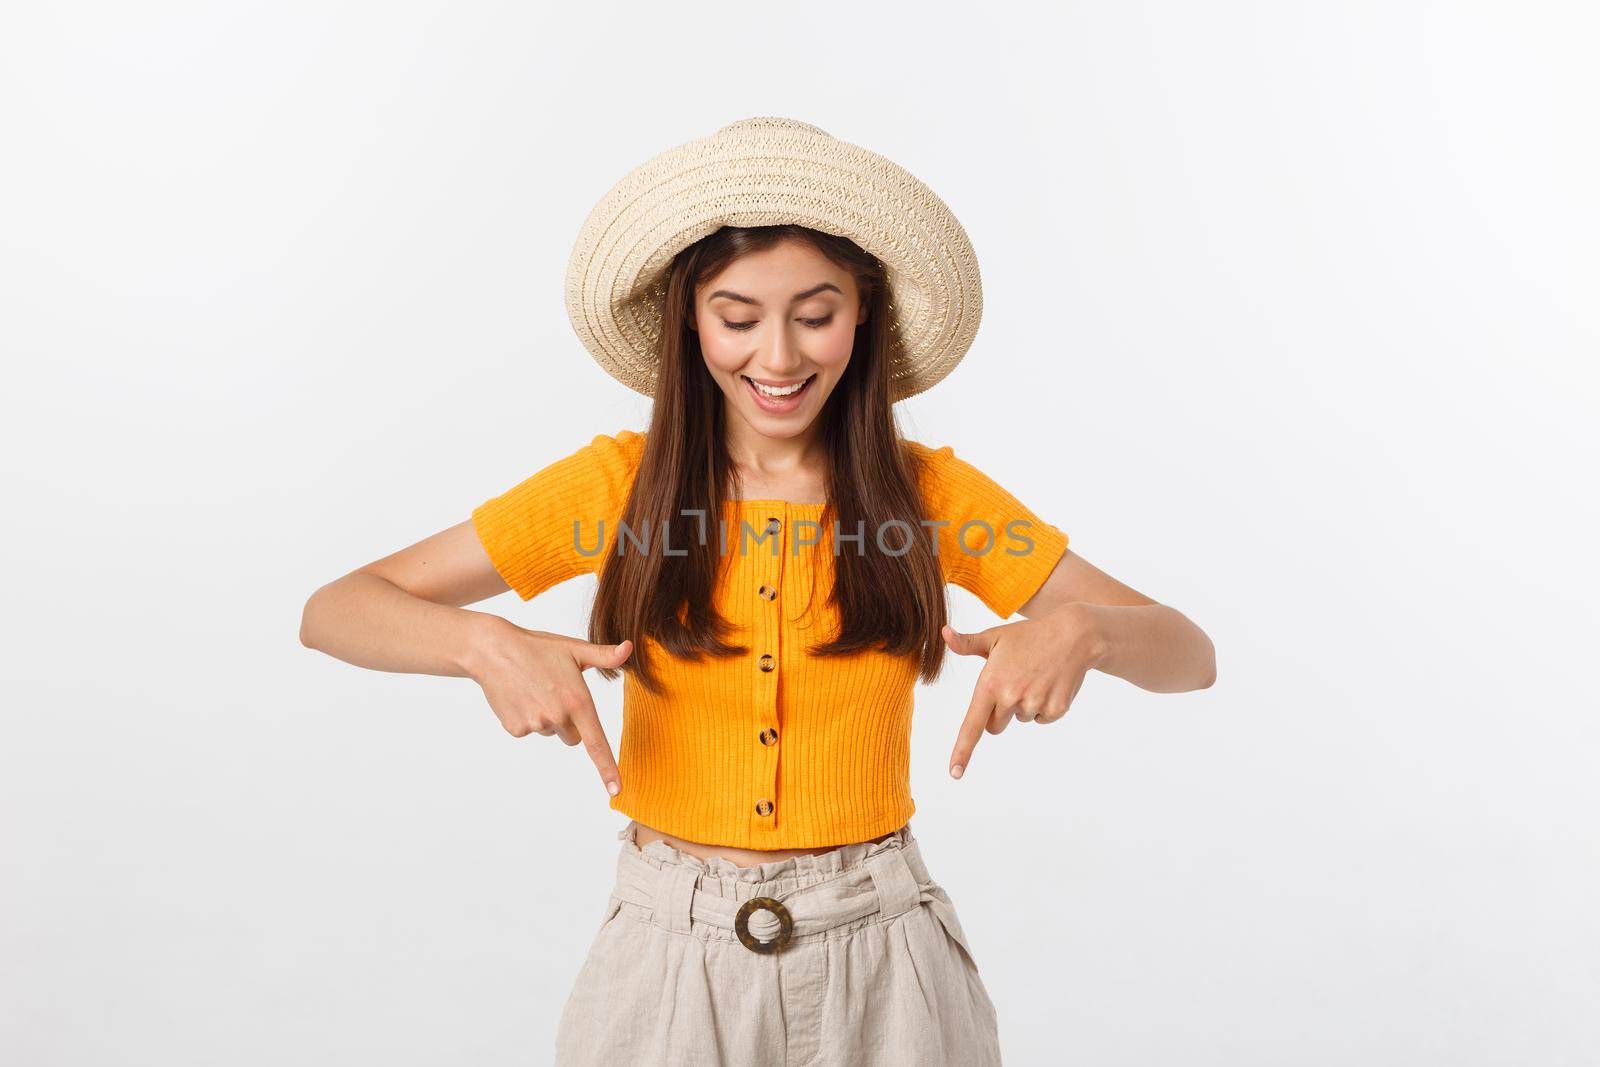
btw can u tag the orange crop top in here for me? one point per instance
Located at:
(771, 749)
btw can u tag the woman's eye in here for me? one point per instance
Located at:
(815, 324)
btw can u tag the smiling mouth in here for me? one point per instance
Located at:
(786, 393)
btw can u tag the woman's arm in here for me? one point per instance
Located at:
(1154, 646)
(1080, 619)
(405, 613)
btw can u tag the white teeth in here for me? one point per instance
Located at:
(786, 391)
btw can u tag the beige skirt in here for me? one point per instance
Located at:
(851, 956)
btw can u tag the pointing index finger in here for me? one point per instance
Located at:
(972, 726)
(596, 744)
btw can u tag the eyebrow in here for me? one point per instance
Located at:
(813, 291)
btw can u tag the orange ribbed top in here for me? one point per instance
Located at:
(773, 749)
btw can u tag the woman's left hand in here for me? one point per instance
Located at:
(1034, 670)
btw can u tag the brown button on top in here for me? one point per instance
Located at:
(763, 807)
(773, 525)
(766, 663)
(766, 592)
(769, 736)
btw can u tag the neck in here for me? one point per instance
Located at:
(774, 457)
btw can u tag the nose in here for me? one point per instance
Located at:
(783, 358)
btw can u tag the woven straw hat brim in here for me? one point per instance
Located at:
(762, 172)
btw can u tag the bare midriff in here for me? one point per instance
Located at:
(739, 857)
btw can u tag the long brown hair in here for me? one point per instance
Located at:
(892, 602)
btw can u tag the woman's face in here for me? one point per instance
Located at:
(781, 318)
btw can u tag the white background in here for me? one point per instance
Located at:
(1290, 323)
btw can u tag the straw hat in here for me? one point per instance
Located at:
(761, 172)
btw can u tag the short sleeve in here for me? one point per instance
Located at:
(989, 543)
(548, 528)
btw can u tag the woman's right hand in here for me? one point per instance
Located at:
(534, 682)
(406, 612)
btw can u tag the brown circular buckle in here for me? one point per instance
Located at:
(741, 925)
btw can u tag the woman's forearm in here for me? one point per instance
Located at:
(371, 622)
(1154, 646)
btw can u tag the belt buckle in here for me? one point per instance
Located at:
(741, 925)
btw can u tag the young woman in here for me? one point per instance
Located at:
(772, 561)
